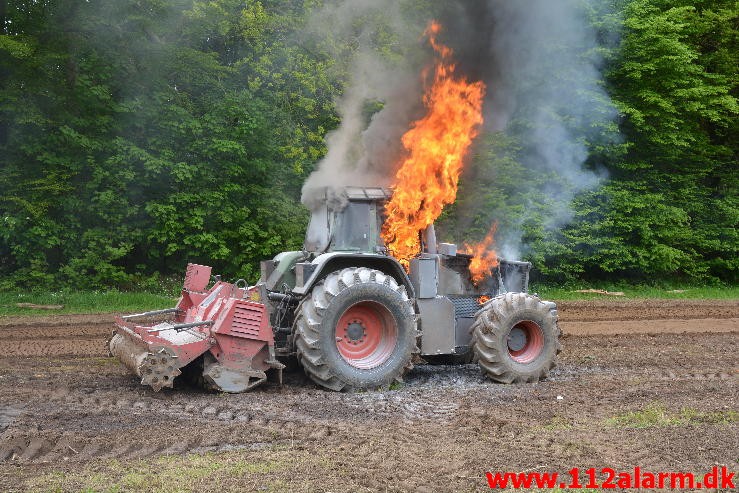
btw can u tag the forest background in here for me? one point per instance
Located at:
(139, 135)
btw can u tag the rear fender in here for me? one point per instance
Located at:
(282, 271)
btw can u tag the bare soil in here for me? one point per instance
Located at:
(66, 407)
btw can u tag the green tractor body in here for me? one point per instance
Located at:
(355, 319)
(347, 311)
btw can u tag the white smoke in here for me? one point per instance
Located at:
(542, 63)
(550, 92)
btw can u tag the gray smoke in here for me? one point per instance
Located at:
(546, 111)
(547, 90)
(365, 149)
(541, 64)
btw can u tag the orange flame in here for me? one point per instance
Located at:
(484, 258)
(436, 146)
(483, 299)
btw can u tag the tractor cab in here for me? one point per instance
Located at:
(348, 222)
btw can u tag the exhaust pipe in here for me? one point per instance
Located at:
(429, 239)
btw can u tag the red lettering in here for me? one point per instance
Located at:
(497, 481)
(716, 478)
(683, 477)
(592, 483)
(522, 480)
(624, 480)
(546, 480)
(727, 478)
(575, 475)
(610, 475)
(648, 481)
(710, 480)
(661, 478)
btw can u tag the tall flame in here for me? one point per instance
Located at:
(484, 258)
(436, 146)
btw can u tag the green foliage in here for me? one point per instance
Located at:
(675, 200)
(630, 291)
(138, 136)
(88, 301)
(190, 473)
(669, 208)
(656, 415)
(182, 134)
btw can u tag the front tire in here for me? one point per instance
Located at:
(515, 338)
(356, 330)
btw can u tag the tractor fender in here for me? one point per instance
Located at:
(326, 263)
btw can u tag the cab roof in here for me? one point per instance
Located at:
(368, 193)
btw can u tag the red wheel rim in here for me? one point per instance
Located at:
(366, 335)
(525, 341)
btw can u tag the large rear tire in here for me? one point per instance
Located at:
(515, 338)
(356, 330)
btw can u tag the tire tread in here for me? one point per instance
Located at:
(311, 311)
(489, 326)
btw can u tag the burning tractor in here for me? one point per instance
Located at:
(348, 311)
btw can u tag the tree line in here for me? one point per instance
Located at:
(138, 135)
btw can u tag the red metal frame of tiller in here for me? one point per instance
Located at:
(240, 329)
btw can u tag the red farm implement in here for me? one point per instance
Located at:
(221, 330)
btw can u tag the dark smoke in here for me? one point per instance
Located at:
(539, 60)
(542, 65)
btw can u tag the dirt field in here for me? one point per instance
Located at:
(653, 384)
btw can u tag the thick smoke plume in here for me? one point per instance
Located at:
(365, 148)
(539, 60)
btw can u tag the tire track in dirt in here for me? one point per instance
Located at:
(650, 326)
(236, 428)
(141, 443)
(100, 411)
(54, 336)
(264, 425)
(138, 441)
(648, 317)
(58, 320)
(649, 309)
(22, 333)
(70, 346)
(674, 376)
